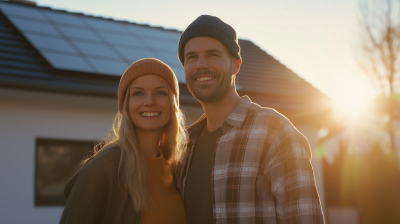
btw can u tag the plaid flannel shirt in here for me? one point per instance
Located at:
(262, 169)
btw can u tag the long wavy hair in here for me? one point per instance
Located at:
(132, 164)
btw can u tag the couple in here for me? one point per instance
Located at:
(239, 163)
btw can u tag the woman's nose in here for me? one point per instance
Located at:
(150, 101)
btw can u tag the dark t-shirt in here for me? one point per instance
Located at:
(198, 201)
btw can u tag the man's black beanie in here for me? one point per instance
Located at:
(210, 26)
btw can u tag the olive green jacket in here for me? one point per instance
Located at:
(94, 194)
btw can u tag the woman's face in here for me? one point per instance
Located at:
(149, 104)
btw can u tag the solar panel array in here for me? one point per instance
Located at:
(81, 43)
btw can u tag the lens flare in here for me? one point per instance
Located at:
(352, 101)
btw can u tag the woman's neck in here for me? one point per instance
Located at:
(148, 141)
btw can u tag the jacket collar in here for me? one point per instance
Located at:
(235, 119)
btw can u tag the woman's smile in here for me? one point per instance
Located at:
(150, 114)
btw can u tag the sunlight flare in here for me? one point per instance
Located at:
(352, 100)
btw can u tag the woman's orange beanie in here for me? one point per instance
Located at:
(146, 66)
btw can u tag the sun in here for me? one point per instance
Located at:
(352, 100)
(352, 105)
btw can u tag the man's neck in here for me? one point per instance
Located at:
(217, 112)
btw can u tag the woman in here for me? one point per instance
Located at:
(129, 180)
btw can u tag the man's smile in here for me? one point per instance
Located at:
(204, 79)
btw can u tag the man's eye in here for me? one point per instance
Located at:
(137, 94)
(191, 57)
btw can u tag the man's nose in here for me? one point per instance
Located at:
(202, 63)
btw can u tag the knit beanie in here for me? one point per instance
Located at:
(210, 26)
(146, 66)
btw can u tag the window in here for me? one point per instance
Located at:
(56, 162)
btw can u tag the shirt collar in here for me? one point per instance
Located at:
(234, 119)
(238, 115)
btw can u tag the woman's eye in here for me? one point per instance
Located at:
(161, 93)
(137, 94)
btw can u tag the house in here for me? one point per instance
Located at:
(59, 74)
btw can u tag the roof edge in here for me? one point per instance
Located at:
(22, 2)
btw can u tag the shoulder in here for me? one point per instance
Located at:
(104, 160)
(105, 163)
(106, 156)
(266, 112)
(274, 125)
(268, 117)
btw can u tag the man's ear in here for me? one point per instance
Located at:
(236, 63)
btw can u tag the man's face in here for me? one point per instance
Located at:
(209, 69)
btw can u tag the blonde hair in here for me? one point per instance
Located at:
(132, 162)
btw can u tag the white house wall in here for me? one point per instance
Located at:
(24, 116)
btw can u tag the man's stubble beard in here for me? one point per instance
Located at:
(219, 92)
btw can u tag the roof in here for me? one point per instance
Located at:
(53, 50)
(75, 42)
(22, 66)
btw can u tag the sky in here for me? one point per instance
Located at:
(317, 39)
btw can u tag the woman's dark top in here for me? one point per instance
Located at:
(94, 194)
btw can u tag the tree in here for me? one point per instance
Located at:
(380, 56)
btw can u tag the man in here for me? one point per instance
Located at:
(244, 163)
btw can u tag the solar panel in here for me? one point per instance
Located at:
(122, 39)
(134, 54)
(88, 44)
(169, 58)
(161, 45)
(64, 18)
(19, 10)
(78, 33)
(102, 24)
(50, 43)
(34, 26)
(175, 36)
(94, 49)
(180, 74)
(109, 67)
(141, 31)
(67, 62)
